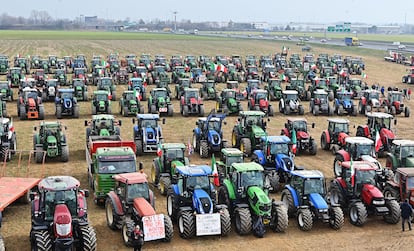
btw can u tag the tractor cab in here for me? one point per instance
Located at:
(401, 154)
(191, 95)
(193, 178)
(357, 147)
(379, 121)
(275, 145)
(395, 96)
(365, 174)
(404, 179)
(173, 156)
(336, 126)
(244, 176)
(132, 185)
(308, 184)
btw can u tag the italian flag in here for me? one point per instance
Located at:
(159, 150)
(378, 142)
(352, 173)
(294, 141)
(283, 77)
(364, 75)
(214, 171)
(342, 73)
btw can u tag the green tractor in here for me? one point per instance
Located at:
(160, 101)
(52, 140)
(248, 202)
(401, 154)
(129, 104)
(228, 157)
(107, 84)
(170, 155)
(248, 131)
(15, 75)
(228, 103)
(4, 64)
(208, 90)
(101, 102)
(102, 125)
(6, 91)
(274, 89)
(81, 90)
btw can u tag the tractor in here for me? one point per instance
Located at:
(208, 90)
(137, 85)
(131, 207)
(394, 104)
(304, 197)
(23, 64)
(320, 103)
(107, 84)
(274, 89)
(319, 84)
(102, 125)
(98, 71)
(276, 158)
(235, 86)
(356, 190)
(401, 154)
(246, 197)
(252, 84)
(191, 201)
(6, 91)
(370, 101)
(208, 135)
(147, 133)
(29, 105)
(81, 74)
(290, 103)
(66, 104)
(343, 104)
(4, 64)
(228, 157)
(122, 76)
(334, 137)
(14, 76)
(356, 86)
(81, 90)
(160, 102)
(101, 102)
(252, 73)
(378, 128)
(409, 78)
(129, 104)
(259, 102)
(269, 72)
(182, 84)
(60, 75)
(8, 140)
(50, 90)
(60, 216)
(401, 186)
(234, 74)
(228, 103)
(299, 86)
(304, 142)
(248, 131)
(52, 62)
(179, 72)
(40, 77)
(191, 103)
(197, 75)
(50, 139)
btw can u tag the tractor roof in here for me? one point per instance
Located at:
(338, 121)
(359, 140)
(308, 173)
(406, 171)
(115, 151)
(173, 146)
(204, 119)
(232, 81)
(276, 139)
(50, 124)
(58, 183)
(395, 92)
(159, 89)
(65, 90)
(131, 178)
(252, 113)
(320, 91)
(136, 79)
(371, 90)
(259, 91)
(200, 170)
(290, 92)
(228, 90)
(296, 119)
(247, 166)
(379, 115)
(191, 90)
(103, 116)
(101, 92)
(231, 152)
(361, 165)
(403, 142)
(128, 91)
(148, 116)
(5, 120)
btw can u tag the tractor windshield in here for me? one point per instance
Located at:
(344, 96)
(138, 190)
(253, 120)
(410, 183)
(198, 182)
(214, 125)
(210, 84)
(261, 95)
(364, 150)
(117, 166)
(106, 82)
(230, 94)
(233, 159)
(313, 186)
(364, 177)
(300, 126)
(291, 97)
(173, 154)
(251, 178)
(161, 93)
(53, 198)
(383, 122)
(279, 149)
(407, 151)
(191, 94)
(102, 97)
(4, 85)
(149, 123)
(374, 95)
(396, 97)
(66, 95)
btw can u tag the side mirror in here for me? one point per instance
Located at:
(286, 125)
(35, 128)
(197, 123)
(268, 119)
(238, 119)
(313, 125)
(66, 127)
(141, 166)
(163, 121)
(86, 192)
(32, 196)
(225, 122)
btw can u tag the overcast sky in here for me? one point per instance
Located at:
(271, 11)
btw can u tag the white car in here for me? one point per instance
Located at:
(402, 47)
(323, 40)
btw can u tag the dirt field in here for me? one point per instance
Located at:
(375, 235)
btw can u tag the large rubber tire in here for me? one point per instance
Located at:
(65, 154)
(58, 111)
(301, 110)
(6, 154)
(39, 154)
(287, 110)
(41, 112)
(287, 200)
(271, 111)
(87, 238)
(313, 148)
(315, 110)
(201, 111)
(390, 192)
(225, 222)
(273, 180)
(223, 197)
(305, 220)
(22, 112)
(2, 247)
(76, 111)
(358, 214)
(164, 184)
(93, 110)
(127, 230)
(235, 138)
(325, 145)
(112, 218)
(170, 111)
(336, 218)
(243, 220)
(246, 146)
(185, 111)
(335, 196)
(393, 111)
(203, 149)
(41, 240)
(280, 218)
(138, 148)
(153, 109)
(186, 224)
(155, 173)
(169, 229)
(394, 212)
(407, 112)
(337, 167)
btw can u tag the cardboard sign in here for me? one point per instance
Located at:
(163, 109)
(306, 66)
(208, 224)
(154, 228)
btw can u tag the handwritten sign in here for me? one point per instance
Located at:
(208, 224)
(154, 228)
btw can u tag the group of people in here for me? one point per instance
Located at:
(406, 91)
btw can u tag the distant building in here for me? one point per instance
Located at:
(91, 19)
(261, 26)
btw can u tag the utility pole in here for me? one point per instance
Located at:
(175, 21)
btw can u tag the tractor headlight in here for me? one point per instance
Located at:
(63, 229)
(323, 210)
(378, 202)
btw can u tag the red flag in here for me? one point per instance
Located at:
(378, 142)
(159, 150)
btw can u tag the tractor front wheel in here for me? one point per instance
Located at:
(325, 145)
(407, 112)
(337, 166)
(394, 212)
(358, 214)
(41, 240)
(313, 148)
(305, 220)
(39, 154)
(287, 199)
(243, 221)
(336, 216)
(225, 222)
(223, 197)
(139, 150)
(165, 183)
(280, 218)
(169, 229)
(58, 111)
(65, 154)
(390, 192)
(127, 232)
(186, 224)
(235, 138)
(88, 238)
(112, 218)
(203, 149)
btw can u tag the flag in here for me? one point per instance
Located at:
(214, 171)
(159, 150)
(294, 141)
(378, 142)
(213, 66)
(352, 173)
(364, 75)
(283, 77)
(189, 148)
(342, 73)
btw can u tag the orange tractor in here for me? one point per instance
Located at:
(30, 105)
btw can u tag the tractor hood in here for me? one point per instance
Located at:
(174, 165)
(259, 201)
(263, 103)
(302, 135)
(67, 103)
(143, 207)
(63, 221)
(31, 102)
(386, 134)
(232, 102)
(104, 132)
(211, 90)
(161, 101)
(150, 135)
(318, 201)
(370, 193)
(52, 147)
(284, 162)
(101, 105)
(347, 103)
(132, 102)
(202, 201)
(214, 137)
(258, 131)
(51, 139)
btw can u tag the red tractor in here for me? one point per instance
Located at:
(60, 217)
(401, 186)
(334, 137)
(130, 207)
(259, 102)
(29, 105)
(356, 190)
(370, 101)
(394, 104)
(40, 77)
(191, 103)
(409, 78)
(304, 142)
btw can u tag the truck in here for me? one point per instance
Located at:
(107, 156)
(352, 41)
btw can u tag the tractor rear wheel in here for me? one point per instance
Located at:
(41, 112)
(139, 150)
(315, 110)
(246, 146)
(39, 154)
(325, 145)
(335, 196)
(41, 240)
(185, 111)
(127, 232)
(225, 222)
(164, 184)
(271, 111)
(273, 180)
(170, 110)
(313, 148)
(168, 228)
(280, 218)
(58, 111)
(243, 221)
(407, 112)
(65, 154)
(153, 109)
(336, 216)
(305, 220)
(113, 220)
(358, 214)
(125, 111)
(22, 112)
(76, 111)
(287, 199)
(155, 173)
(301, 110)
(88, 238)
(223, 197)
(337, 167)
(201, 110)
(186, 224)
(394, 212)
(203, 149)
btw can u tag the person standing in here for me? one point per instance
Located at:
(406, 214)
(383, 91)
(409, 93)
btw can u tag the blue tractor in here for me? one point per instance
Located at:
(208, 135)
(344, 103)
(147, 133)
(276, 158)
(191, 201)
(66, 103)
(304, 198)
